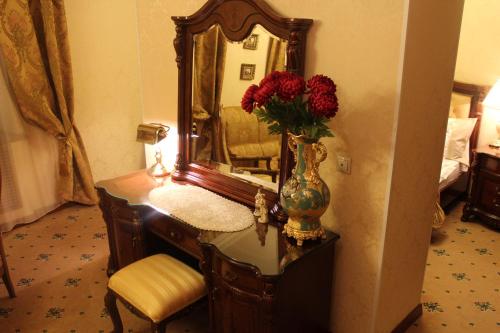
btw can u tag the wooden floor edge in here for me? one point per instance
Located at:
(408, 320)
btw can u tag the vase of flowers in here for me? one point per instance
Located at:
(289, 104)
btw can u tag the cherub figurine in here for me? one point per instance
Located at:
(260, 207)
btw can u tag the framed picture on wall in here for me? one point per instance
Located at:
(247, 72)
(251, 42)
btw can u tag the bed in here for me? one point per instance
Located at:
(461, 139)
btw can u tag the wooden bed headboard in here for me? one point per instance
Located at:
(477, 94)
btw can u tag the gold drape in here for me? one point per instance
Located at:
(34, 43)
(276, 55)
(209, 61)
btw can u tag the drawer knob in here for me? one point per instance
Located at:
(175, 235)
(230, 276)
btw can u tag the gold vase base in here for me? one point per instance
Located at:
(302, 235)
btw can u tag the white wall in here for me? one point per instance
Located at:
(478, 59)
(106, 76)
(430, 47)
(232, 87)
(358, 44)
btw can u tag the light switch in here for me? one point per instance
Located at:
(344, 164)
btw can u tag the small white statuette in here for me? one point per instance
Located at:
(260, 207)
(259, 199)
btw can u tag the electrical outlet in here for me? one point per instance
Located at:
(344, 164)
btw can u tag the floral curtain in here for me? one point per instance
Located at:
(34, 43)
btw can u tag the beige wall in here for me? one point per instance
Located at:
(103, 40)
(478, 58)
(360, 44)
(429, 60)
(344, 43)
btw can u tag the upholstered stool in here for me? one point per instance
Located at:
(155, 288)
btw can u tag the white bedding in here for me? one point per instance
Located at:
(450, 171)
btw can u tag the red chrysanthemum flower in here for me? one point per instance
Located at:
(276, 92)
(263, 95)
(321, 84)
(323, 105)
(274, 76)
(247, 102)
(291, 86)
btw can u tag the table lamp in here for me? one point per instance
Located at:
(492, 101)
(152, 134)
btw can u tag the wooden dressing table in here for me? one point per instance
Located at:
(258, 280)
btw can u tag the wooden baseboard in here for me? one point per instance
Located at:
(408, 320)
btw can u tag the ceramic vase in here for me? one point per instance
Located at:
(305, 196)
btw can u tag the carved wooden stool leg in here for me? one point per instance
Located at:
(158, 327)
(110, 302)
(8, 283)
(4, 271)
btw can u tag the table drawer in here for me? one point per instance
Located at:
(238, 276)
(490, 163)
(489, 195)
(179, 234)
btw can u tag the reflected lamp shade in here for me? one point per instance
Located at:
(153, 134)
(492, 101)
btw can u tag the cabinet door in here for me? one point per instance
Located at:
(128, 241)
(488, 193)
(236, 311)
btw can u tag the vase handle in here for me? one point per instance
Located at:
(321, 152)
(293, 146)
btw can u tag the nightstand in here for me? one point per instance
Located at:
(483, 194)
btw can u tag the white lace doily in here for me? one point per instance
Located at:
(201, 208)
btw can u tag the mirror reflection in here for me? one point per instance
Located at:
(224, 136)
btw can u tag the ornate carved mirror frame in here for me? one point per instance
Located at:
(237, 19)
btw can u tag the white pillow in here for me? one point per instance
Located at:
(447, 138)
(460, 130)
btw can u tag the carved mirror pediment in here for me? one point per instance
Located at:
(222, 49)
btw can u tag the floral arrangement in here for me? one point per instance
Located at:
(279, 101)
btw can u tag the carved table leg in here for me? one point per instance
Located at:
(110, 302)
(467, 214)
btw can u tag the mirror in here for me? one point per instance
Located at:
(222, 49)
(223, 134)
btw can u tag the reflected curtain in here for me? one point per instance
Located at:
(34, 43)
(276, 55)
(28, 192)
(209, 60)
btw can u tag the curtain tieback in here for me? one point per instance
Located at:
(65, 162)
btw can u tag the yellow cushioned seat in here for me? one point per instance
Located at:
(158, 286)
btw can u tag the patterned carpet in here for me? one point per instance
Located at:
(462, 280)
(58, 265)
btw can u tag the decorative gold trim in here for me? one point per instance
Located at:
(321, 154)
(301, 235)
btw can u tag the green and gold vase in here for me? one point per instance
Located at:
(305, 196)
